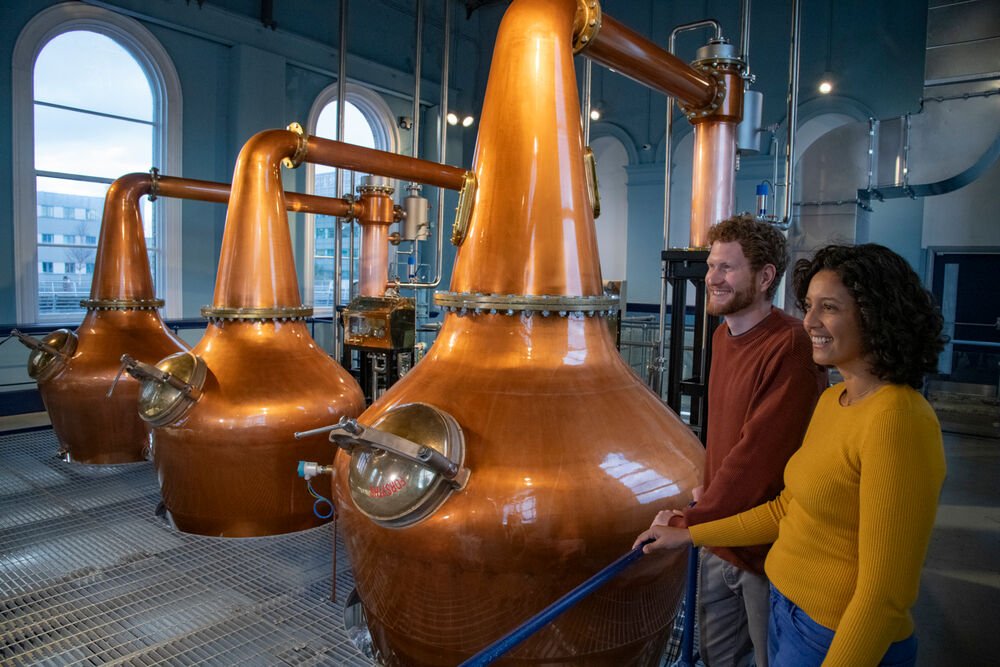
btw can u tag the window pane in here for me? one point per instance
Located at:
(357, 130)
(68, 245)
(90, 71)
(149, 226)
(79, 143)
(323, 282)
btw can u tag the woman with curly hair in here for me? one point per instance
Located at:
(851, 528)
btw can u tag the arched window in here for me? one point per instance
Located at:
(367, 122)
(612, 226)
(95, 97)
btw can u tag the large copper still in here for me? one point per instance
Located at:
(224, 414)
(521, 455)
(74, 370)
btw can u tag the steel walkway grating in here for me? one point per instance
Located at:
(90, 576)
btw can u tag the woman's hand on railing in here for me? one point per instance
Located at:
(664, 537)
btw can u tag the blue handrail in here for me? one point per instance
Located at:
(542, 618)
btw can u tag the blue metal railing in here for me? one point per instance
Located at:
(542, 618)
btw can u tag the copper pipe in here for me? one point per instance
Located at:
(377, 212)
(371, 161)
(374, 265)
(713, 177)
(256, 264)
(636, 57)
(189, 188)
(264, 275)
(121, 265)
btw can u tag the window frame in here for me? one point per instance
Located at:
(382, 121)
(167, 108)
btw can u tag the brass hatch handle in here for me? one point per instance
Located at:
(348, 434)
(143, 371)
(38, 345)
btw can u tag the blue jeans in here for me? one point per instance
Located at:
(795, 640)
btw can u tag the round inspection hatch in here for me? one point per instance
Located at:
(394, 490)
(159, 402)
(44, 365)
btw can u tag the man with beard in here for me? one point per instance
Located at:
(762, 388)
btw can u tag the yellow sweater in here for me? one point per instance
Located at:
(851, 528)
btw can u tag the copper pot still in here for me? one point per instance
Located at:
(224, 414)
(75, 370)
(521, 455)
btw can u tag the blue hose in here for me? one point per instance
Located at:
(320, 501)
(545, 616)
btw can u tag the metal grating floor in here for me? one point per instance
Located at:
(90, 576)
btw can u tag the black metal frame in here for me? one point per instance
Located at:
(681, 268)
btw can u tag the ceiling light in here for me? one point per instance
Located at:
(595, 114)
(452, 118)
(826, 83)
(468, 121)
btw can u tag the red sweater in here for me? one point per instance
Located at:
(762, 388)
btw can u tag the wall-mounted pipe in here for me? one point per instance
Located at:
(793, 111)
(338, 190)
(408, 230)
(442, 151)
(417, 63)
(745, 36)
(656, 371)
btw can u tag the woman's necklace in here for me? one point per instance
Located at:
(845, 400)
